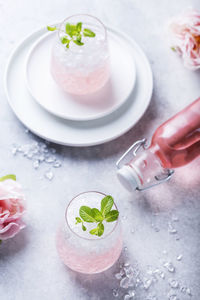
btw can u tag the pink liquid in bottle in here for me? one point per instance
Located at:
(174, 144)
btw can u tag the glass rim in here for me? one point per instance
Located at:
(84, 238)
(85, 15)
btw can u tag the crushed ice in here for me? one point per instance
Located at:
(39, 153)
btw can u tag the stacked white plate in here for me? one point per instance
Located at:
(78, 120)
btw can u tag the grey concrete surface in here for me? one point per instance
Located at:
(29, 264)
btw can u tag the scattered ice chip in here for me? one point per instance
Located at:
(124, 283)
(127, 264)
(132, 293)
(164, 252)
(175, 218)
(41, 158)
(147, 283)
(122, 272)
(14, 151)
(127, 297)
(173, 283)
(183, 289)
(118, 276)
(29, 155)
(125, 248)
(129, 271)
(20, 149)
(132, 230)
(115, 293)
(49, 175)
(38, 153)
(159, 273)
(179, 257)
(138, 282)
(171, 228)
(162, 275)
(124, 217)
(57, 164)
(188, 291)
(36, 164)
(169, 266)
(49, 159)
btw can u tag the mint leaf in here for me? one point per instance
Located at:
(78, 43)
(73, 29)
(64, 40)
(100, 229)
(79, 26)
(79, 37)
(94, 231)
(86, 214)
(68, 28)
(88, 32)
(78, 220)
(106, 204)
(10, 176)
(97, 215)
(173, 49)
(0, 242)
(50, 28)
(112, 216)
(83, 227)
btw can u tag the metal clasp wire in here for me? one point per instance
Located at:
(134, 148)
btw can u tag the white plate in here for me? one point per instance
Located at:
(73, 133)
(48, 94)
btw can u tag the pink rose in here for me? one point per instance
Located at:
(184, 31)
(11, 209)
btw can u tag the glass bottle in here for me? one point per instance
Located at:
(174, 144)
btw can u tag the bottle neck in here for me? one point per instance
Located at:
(147, 166)
(144, 171)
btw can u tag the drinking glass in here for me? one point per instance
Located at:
(81, 251)
(85, 69)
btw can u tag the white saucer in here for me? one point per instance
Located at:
(48, 94)
(73, 133)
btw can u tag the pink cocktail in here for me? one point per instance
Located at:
(81, 251)
(85, 69)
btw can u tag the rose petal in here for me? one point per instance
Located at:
(11, 230)
(11, 209)
(184, 33)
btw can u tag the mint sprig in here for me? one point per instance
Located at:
(73, 33)
(94, 215)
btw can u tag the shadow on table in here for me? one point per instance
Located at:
(99, 286)
(116, 146)
(182, 188)
(14, 245)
